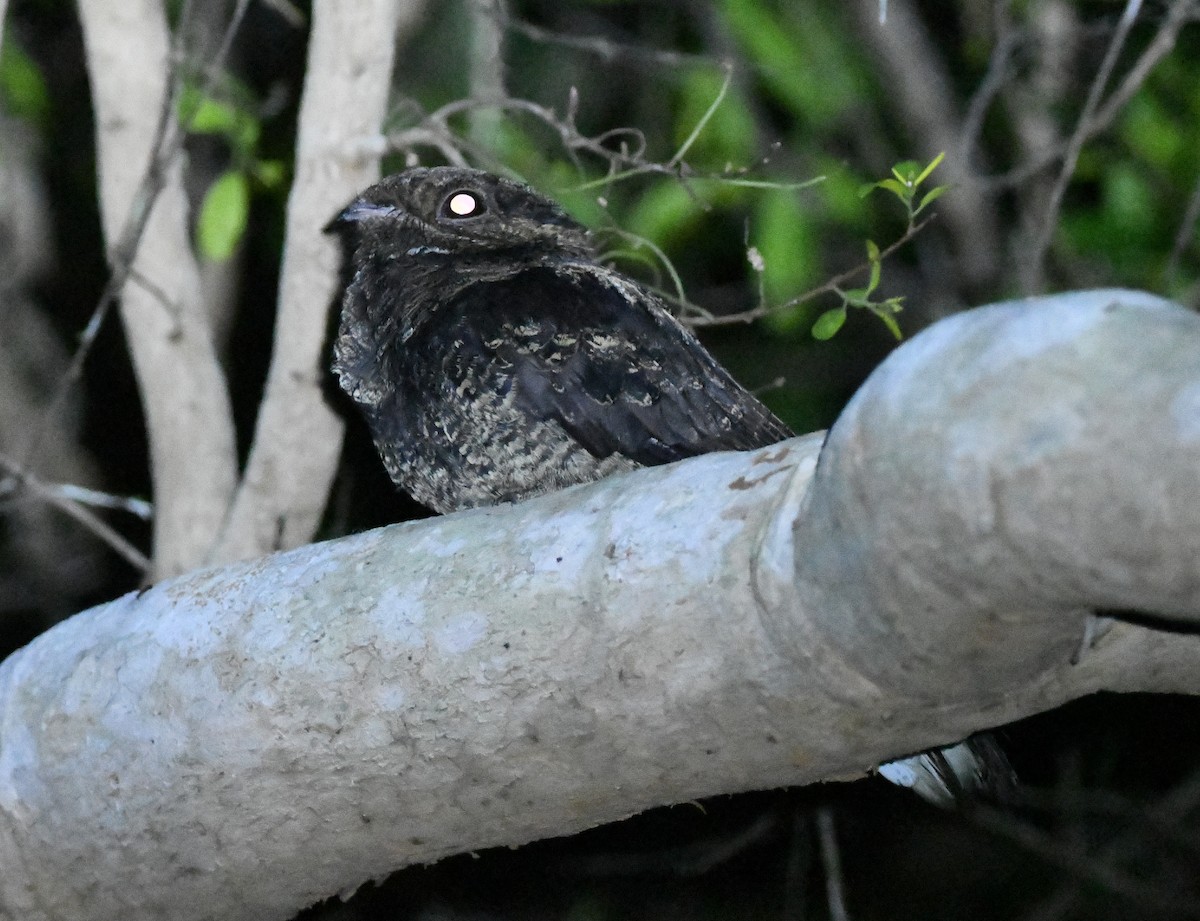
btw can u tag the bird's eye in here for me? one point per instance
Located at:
(463, 204)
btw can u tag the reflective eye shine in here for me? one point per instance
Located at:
(463, 204)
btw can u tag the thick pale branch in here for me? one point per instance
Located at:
(298, 437)
(188, 416)
(1014, 468)
(239, 742)
(325, 715)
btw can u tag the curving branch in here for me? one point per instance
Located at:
(240, 742)
(1014, 470)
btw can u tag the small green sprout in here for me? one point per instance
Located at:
(831, 321)
(905, 183)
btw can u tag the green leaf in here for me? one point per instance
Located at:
(890, 322)
(899, 189)
(1128, 198)
(829, 323)
(933, 164)
(873, 281)
(270, 174)
(515, 146)
(1156, 133)
(839, 193)
(245, 139)
(876, 266)
(931, 196)
(906, 171)
(801, 53)
(206, 115)
(223, 216)
(23, 91)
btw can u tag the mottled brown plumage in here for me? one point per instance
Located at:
(495, 359)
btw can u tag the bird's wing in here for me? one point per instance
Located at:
(602, 356)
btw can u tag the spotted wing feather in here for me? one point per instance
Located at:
(602, 357)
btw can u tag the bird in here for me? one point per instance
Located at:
(495, 358)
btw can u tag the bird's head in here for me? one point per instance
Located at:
(430, 213)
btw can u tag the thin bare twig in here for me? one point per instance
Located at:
(434, 129)
(640, 241)
(1179, 14)
(704, 119)
(833, 284)
(831, 862)
(605, 48)
(99, 499)
(121, 256)
(1083, 864)
(1161, 817)
(623, 163)
(1185, 233)
(141, 190)
(993, 81)
(60, 498)
(1079, 137)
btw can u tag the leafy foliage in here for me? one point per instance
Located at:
(831, 321)
(225, 210)
(905, 183)
(223, 215)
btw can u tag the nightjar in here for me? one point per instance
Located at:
(495, 359)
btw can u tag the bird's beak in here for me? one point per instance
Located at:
(357, 210)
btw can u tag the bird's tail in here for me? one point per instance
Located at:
(974, 768)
